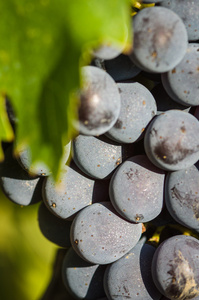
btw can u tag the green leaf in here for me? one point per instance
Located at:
(101, 21)
(6, 132)
(40, 50)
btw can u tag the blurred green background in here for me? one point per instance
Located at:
(26, 256)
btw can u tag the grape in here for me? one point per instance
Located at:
(121, 68)
(100, 236)
(136, 189)
(182, 196)
(172, 140)
(99, 102)
(82, 279)
(158, 45)
(188, 11)
(175, 267)
(17, 184)
(130, 276)
(182, 82)
(164, 101)
(53, 228)
(75, 191)
(138, 107)
(96, 157)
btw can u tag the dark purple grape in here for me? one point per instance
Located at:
(96, 157)
(136, 189)
(172, 140)
(130, 276)
(74, 192)
(188, 11)
(99, 102)
(100, 236)
(159, 39)
(82, 279)
(182, 196)
(17, 184)
(175, 267)
(138, 107)
(182, 82)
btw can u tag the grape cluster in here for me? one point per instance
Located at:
(134, 171)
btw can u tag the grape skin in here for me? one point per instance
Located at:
(17, 184)
(158, 45)
(99, 102)
(26, 191)
(75, 191)
(130, 276)
(96, 157)
(182, 82)
(82, 279)
(100, 236)
(177, 151)
(136, 189)
(188, 11)
(181, 196)
(175, 267)
(138, 107)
